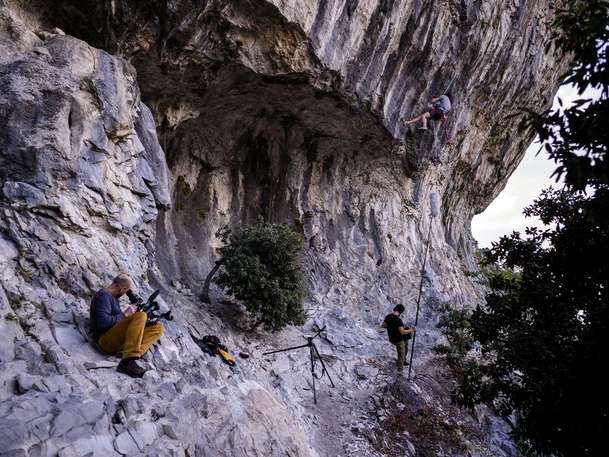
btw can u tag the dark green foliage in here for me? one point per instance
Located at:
(260, 268)
(542, 335)
(552, 326)
(541, 339)
(456, 326)
(577, 137)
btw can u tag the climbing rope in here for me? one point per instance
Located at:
(416, 320)
(438, 143)
(435, 151)
(450, 83)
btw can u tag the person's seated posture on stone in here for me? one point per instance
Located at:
(117, 331)
(398, 334)
(439, 107)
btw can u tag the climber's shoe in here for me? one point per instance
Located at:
(422, 128)
(130, 368)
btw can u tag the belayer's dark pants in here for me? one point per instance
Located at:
(402, 350)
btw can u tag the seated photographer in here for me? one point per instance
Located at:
(115, 330)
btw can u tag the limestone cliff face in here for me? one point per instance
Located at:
(127, 143)
(294, 110)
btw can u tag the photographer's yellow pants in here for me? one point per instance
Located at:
(131, 336)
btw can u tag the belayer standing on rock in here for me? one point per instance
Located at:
(115, 330)
(398, 334)
(439, 108)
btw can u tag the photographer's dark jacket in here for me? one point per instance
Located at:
(105, 312)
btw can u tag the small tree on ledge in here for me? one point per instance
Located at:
(259, 266)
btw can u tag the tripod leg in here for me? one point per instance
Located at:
(313, 374)
(286, 349)
(323, 365)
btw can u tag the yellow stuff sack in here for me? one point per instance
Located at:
(226, 357)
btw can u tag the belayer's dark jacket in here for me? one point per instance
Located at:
(393, 324)
(105, 312)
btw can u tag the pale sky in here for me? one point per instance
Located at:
(504, 215)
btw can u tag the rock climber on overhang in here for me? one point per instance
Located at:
(439, 108)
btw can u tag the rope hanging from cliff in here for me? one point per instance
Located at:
(450, 83)
(435, 148)
(439, 141)
(434, 204)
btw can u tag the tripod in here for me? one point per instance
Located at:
(313, 352)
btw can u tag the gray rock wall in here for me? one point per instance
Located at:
(217, 73)
(83, 177)
(396, 54)
(190, 115)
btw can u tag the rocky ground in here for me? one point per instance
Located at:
(62, 397)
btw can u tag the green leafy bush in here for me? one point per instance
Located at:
(259, 267)
(535, 350)
(456, 327)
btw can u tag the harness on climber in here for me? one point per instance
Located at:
(211, 345)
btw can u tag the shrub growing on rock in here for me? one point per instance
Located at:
(259, 266)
